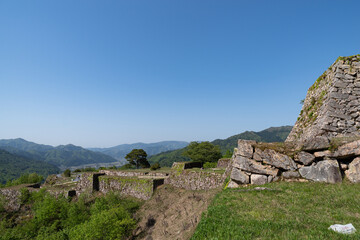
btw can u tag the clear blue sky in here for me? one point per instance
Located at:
(103, 73)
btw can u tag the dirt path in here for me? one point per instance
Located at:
(172, 213)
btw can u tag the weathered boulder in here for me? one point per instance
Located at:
(258, 179)
(323, 171)
(232, 184)
(305, 158)
(353, 174)
(323, 154)
(272, 179)
(252, 166)
(245, 148)
(275, 159)
(316, 143)
(291, 174)
(344, 166)
(239, 176)
(351, 149)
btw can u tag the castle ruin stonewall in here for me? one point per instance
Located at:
(324, 144)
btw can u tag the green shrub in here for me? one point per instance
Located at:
(2, 205)
(127, 166)
(67, 173)
(26, 178)
(228, 154)
(25, 196)
(89, 169)
(155, 166)
(107, 217)
(210, 165)
(114, 223)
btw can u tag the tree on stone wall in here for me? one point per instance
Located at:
(137, 157)
(203, 152)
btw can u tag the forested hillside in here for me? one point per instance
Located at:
(273, 134)
(12, 166)
(62, 156)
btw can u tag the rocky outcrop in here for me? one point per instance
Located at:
(331, 107)
(353, 174)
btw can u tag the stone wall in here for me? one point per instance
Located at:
(186, 165)
(11, 196)
(137, 187)
(331, 107)
(223, 163)
(195, 180)
(85, 183)
(132, 174)
(260, 163)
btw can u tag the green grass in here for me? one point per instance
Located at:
(292, 211)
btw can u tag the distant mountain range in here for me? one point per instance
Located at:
(18, 156)
(63, 156)
(273, 134)
(119, 152)
(45, 159)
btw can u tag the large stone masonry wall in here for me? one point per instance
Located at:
(260, 163)
(331, 107)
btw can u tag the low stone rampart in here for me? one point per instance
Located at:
(137, 187)
(11, 196)
(195, 180)
(132, 174)
(186, 165)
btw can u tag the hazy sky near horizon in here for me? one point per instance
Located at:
(103, 73)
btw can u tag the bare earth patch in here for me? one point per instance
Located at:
(172, 213)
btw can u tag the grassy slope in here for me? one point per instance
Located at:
(293, 211)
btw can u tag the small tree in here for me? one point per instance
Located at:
(137, 157)
(67, 173)
(155, 166)
(203, 152)
(228, 154)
